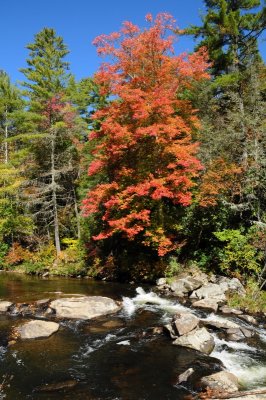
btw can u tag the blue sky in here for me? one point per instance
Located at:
(79, 22)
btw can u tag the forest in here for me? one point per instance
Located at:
(155, 164)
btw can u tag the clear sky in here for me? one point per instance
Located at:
(79, 22)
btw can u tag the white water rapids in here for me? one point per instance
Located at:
(242, 359)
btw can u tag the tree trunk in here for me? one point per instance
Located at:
(6, 137)
(77, 213)
(54, 197)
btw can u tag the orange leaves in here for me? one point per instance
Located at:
(144, 143)
(220, 177)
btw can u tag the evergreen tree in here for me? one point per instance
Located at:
(232, 187)
(53, 167)
(230, 31)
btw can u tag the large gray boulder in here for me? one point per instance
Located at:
(206, 304)
(199, 339)
(185, 323)
(231, 285)
(84, 307)
(221, 323)
(5, 306)
(210, 291)
(37, 329)
(221, 381)
(182, 286)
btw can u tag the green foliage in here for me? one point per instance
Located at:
(173, 267)
(46, 72)
(230, 30)
(253, 301)
(3, 252)
(238, 256)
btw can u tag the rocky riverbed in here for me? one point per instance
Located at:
(226, 346)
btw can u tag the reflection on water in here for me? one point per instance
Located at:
(113, 357)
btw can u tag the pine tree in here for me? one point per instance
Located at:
(232, 186)
(53, 167)
(230, 31)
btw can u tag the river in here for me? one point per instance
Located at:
(115, 357)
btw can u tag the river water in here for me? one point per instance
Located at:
(115, 357)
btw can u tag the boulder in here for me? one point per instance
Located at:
(43, 303)
(161, 282)
(5, 306)
(221, 381)
(210, 291)
(235, 334)
(37, 329)
(184, 376)
(247, 332)
(207, 304)
(182, 286)
(201, 276)
(169, 330)
(231, 285)
(220, 323)
(84, 307)
(199, 339)
(185, 323)
(229, 310)
(249, 319)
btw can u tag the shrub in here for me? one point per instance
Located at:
(238, 256)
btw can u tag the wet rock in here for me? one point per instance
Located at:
(84, 307)
(229, 310)
(169, 330)
(37, 329)
(220, 323)
(207, 304)
(43, 303)
(199, 339)
(113, 324)
(157, 330)
(249, 319)
(56, 387)
(210, 291)
(235, 334)
(185, 323)
(48, 312)
(25, 309)
(247, 332)
(184, 376)
(5, 306)
(222, 381)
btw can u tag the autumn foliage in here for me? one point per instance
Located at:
(143, 153)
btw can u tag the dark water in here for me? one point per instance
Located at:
(116, 357)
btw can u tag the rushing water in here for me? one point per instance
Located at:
(115, 357)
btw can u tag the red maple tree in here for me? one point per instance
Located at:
(143, 150)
